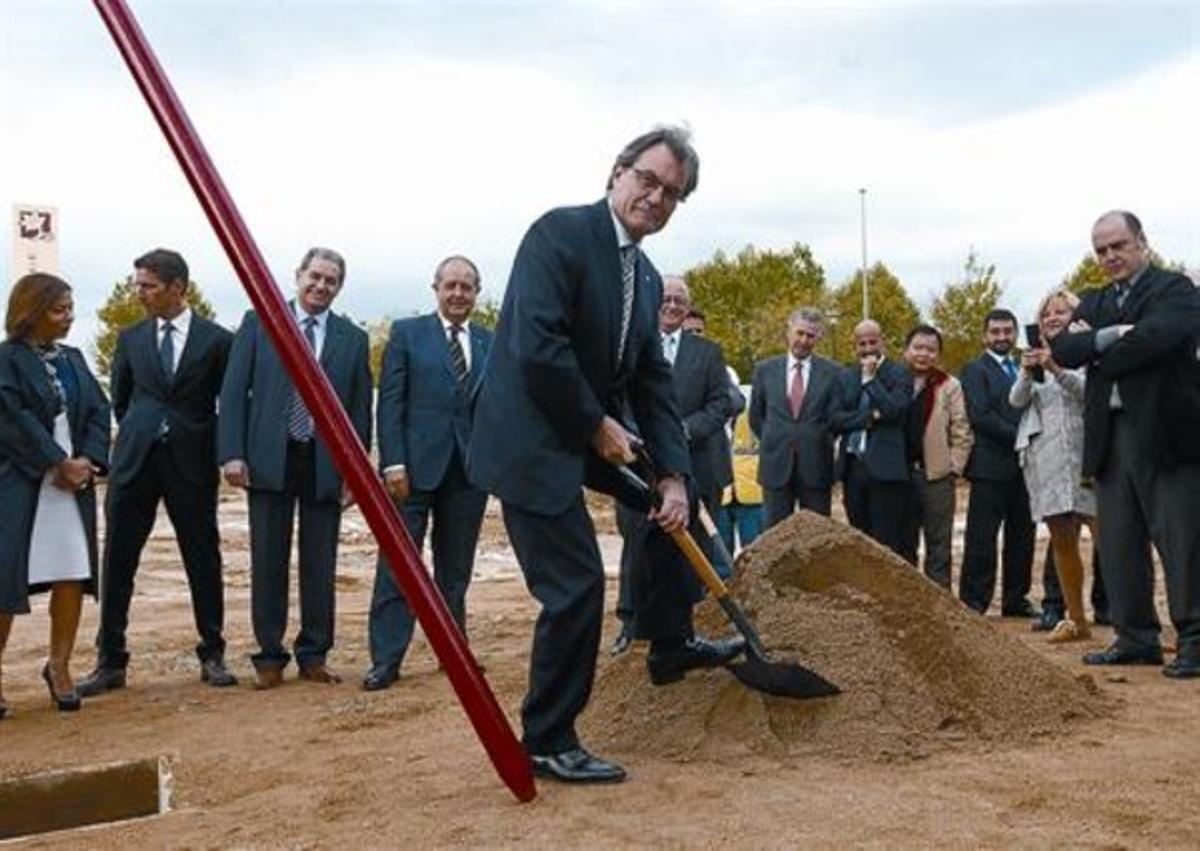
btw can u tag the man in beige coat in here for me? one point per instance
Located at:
(939, 442)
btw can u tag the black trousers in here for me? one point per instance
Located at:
(271, 516)
(564, 571)
(993, 504)
(780, 503)
(1140, 503)
(931, 513)
(456, 508)
(880, 509)
(130, 511)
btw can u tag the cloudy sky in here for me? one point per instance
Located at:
(399, 132)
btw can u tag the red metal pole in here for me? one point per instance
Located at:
(331, 420)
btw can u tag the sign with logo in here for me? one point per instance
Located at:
(35, 239)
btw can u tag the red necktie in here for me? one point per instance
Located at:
(796, 394)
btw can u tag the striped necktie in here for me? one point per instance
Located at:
(628, 266)
(300, 424)
(458, 357)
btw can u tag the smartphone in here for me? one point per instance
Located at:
(1033, 336)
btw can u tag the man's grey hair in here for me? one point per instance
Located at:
(329, 254)
(441, 270)
(806, 314)
(677, 139)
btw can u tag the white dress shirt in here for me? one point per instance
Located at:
(318, 328)
(180, 324)
(670, 344)
(464, 339)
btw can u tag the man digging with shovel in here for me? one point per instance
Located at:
(577, 352)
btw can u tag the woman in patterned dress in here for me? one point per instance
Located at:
(1050, 447)
(54, 435)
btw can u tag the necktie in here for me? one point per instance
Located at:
(458, 357)
(300, 424)
(669, 348)
(166, 351)
(796, 391)
(1010, 369)
(1122, 292)
(628, 265)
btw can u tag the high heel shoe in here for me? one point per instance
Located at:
(69, 702)
(3, 709)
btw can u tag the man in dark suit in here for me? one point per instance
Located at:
(577, 349)
(870, 415)
(166, 375)
(791, 401)
(998, 494)
(431, 371)
(1139, 338)
(702, 391)
(267, 444)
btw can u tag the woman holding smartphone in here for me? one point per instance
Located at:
(1050, 447)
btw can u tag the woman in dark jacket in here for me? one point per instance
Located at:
(54, 434)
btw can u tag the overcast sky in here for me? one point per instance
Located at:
(399, 132)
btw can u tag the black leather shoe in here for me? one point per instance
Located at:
(379, 678)
(69, 702)
(1048, 619)
(1023, 609)
(101, 680)
(576, 766)
(1182, 668)
(670, 666)
(214, 672)
(622, 641)
(1115, 655)
(1100, 617)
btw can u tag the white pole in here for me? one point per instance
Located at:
(862, 204)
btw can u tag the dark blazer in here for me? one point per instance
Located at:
(702, 390)
(805, 442)
(554, 372)
(143, 397)
(28, 407)
(985, 389)
(256, 395)
(423, 415)
(1147, 365)
(890, 393)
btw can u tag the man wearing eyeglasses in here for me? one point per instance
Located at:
(577, 362)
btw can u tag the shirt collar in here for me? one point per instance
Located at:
(301, 315)
(624, 240)
(1000, 359)
(180, 323)
(465, 325)
(793, 361)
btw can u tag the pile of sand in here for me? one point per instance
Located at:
(918, 670)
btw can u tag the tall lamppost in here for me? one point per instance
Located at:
(862, 208)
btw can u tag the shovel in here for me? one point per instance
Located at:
(758, 671)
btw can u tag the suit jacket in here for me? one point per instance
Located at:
(256, 395)
(702, 390)
(555, 371)
(28, 408)
(993, 420)
(805, 443)
(143, 397)
(1147, 365)
(423, 413)
(947, 436)
(889, 393)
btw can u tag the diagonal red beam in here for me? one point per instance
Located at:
(332, 422)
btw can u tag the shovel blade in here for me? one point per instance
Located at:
(782, 679)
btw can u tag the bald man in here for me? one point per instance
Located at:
(870, 415)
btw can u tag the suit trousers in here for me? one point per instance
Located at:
(878, 508)
(647, 558)
(779, 503)
(992, 504)
(564, 571)
(1139, 503)
(456, 508)
(931, 512)
(130, 511)
(271, 517)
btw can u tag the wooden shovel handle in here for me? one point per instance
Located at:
(700, 563)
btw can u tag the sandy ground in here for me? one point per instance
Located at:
(317, 766)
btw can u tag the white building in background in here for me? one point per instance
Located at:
(34, 239)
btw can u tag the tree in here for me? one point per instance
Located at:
(486, 314)
(960, 310)
(123, 309)
(1089, 275)
(747, 299)
(377, 337)
(891, 306)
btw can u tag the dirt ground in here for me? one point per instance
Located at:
(309, 765)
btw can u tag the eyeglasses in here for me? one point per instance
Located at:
(650, 181)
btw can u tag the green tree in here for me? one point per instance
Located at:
(486, 314)
(123, 309)
(959, 312)
(891, 306)
(747, 299)
(377, 336)
(1089, 275)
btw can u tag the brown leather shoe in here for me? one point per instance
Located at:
(265, 678)
(318, 673)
